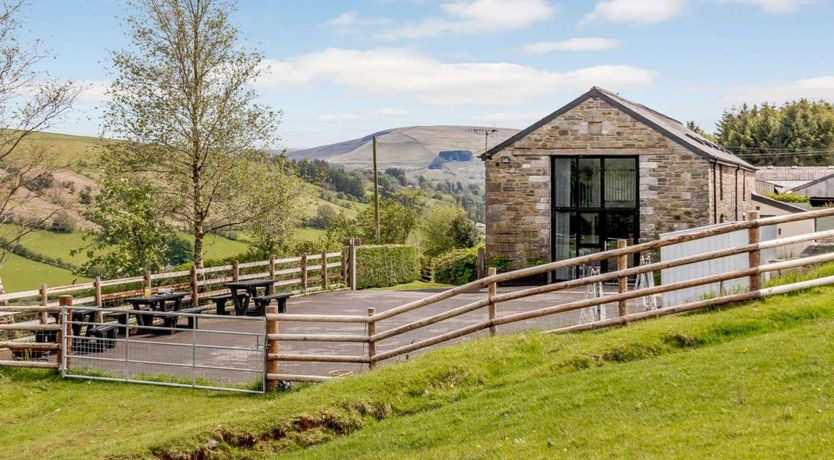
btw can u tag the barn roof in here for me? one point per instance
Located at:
(668, 126)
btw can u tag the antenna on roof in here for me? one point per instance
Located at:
(486, 132)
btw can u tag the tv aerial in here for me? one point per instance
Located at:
(486, 133)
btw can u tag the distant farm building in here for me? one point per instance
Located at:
(811, 181)
(604, 168)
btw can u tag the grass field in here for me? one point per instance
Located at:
(750, 381)
(21, 274)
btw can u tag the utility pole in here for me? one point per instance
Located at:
(376, 193)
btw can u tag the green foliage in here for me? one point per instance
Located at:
(500, 262)
(789, 197)
(796, 133)
(323, 218)
(448, 227)
(189, 120)
(321, 173)
(458, 266)
(386, 265)
(398, 218)
(62, 223)
(276, 197)
(134, 234)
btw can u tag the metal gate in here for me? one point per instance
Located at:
(216, 352)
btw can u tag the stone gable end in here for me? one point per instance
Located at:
(675, 184)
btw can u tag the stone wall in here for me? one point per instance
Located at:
(518, 208)
(675, 183)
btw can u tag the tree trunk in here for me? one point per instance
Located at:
(198, 246)
(2, 291)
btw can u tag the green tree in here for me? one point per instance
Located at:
(396, 222)
(276, 195)
(796, 133)
(30, 101)
(134, 235)
(445, 228)
(183, 106)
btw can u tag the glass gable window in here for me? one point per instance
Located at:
(595, 203)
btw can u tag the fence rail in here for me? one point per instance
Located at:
(376, 327)
(492, 300)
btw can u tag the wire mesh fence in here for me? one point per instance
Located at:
(165, 348)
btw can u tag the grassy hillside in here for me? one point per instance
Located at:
(22, 274)
(737, 382)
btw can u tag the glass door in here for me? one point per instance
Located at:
(595, 203)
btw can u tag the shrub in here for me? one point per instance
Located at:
(789, 197)
(386, 265)
(458, 266)
(63, 223)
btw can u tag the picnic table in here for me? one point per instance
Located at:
(244, 291)
(157, 302)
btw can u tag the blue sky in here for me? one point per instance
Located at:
(343, 69)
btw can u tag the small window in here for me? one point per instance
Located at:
(594, 127)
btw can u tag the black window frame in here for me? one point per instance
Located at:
(603, 211)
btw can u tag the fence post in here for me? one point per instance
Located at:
(480, 263)
(352, 266)
(272, 347)
(236, 271)
(754, 256)
(272, 267)
(148, 282)
(622, 281)
(303, 272)
(371, 341)
(44, 317)
(64, 341)
(99, 301)
(324, 270)
(195, 292)
(343, 267)
(493, 290)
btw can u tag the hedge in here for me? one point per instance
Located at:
(457, 266)
(386, 265)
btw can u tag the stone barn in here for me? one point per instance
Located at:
(604, 168)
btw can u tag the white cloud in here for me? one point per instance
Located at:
(354, 117)
(775, 6)
(573, 44)
(475, 16)
(634, 11)
(93, 93)
(405, 73)
(809, 88)
(352, 20)
(509, 118)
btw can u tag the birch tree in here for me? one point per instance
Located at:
(30, 101)
(184, 111)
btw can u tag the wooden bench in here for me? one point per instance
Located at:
(262, 301)
(220, 302)
(192, 320)
(101, 337)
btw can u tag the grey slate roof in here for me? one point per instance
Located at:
(793, 173)
(668, 126)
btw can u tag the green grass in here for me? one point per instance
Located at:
(217, 247)
(736, 382)
(21, 274)
(416, 286)
(52, 244)
(309, 233)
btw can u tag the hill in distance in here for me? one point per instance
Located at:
(412, 148)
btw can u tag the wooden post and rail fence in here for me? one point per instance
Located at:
(372, 335)
(376, 327)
